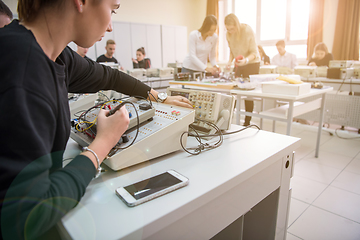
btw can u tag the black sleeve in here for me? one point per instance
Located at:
(87, 76)
(35, 199)
(135, 65)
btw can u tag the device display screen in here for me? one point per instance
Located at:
(152, 185)
(183, 94)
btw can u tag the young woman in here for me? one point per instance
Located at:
(37, 71)
(202, 45)
(321, 56)
(243, 49)
(141, 61)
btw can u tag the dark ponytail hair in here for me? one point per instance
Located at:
(209, 21)
(5, 10)
(142, 50)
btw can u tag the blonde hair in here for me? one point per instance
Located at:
(110, 41)
(231, 19)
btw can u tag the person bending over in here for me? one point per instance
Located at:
(321, 56)
(243, 48)
(202, 46)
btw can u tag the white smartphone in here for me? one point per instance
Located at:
(151, 188)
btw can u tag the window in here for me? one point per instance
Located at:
(271, 20)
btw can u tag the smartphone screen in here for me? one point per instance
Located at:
(152, 185)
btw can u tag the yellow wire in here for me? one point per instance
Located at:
(93, 122)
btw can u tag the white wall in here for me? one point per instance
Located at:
(189, 13)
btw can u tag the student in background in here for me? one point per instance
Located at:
(202, 45)
(244, 50)
(263, 57)
(109, 55)
(5, 14)
(141, 61)
(321, 56)
(284, 58)
(37, 71)
(82, 51)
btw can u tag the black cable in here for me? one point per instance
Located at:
(202, 146)
(341, 83)
(137, 129)
(149, 93)
(104, 95)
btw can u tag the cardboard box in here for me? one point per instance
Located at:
(284, 88)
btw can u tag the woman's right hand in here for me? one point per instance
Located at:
(228, 66)
(211, 70)
(111, 128)
(109, 131)
(134, 60)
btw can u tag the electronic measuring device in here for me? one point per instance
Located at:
(212, 107)
(158, 133)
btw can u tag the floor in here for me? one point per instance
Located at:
(325, 202)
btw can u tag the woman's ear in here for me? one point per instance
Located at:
(79, 5)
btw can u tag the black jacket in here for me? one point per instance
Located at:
(35, 190)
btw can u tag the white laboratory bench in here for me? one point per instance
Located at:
(241, 189)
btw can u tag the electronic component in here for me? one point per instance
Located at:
(158, 133)
(212, 107)
(151, 188)
(80, 102)
(152, 72)
(305, 71)
(166, 72)
(340, 63)
(268, 69)
(138, 73)
(321, 71)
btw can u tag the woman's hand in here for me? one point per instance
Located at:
(134, 60)
(110, 128)
(241, 62)
(178, 101)
(109, 131)
(228, 66)
(211, 70)
(312, 64)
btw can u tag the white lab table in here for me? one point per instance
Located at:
(225, 184)
(347, 85)
(285, 113)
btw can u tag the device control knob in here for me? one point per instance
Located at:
(144, 106)
(125, 138)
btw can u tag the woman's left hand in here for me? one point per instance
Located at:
(241, 62)
(178, 101)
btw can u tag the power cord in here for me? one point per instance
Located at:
(205, 146)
